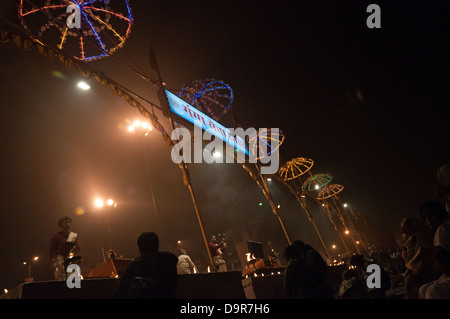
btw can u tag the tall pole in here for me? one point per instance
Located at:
(183, 166)
(302, 202)
(341, 217)
(261, 182)
(150, 177)
(311, 219)
(330, 217)
(187, 181)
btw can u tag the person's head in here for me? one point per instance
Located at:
(212, 238)
(298, 249)
(442, 244)
(180, 251)
(348, 274)
(148, 242)
(288, 252)
(409, 226)
(433, 214)
(111, 254)
(64, 223)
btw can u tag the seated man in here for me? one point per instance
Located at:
(153, 275)
(440, 288)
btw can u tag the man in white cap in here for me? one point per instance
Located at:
(440, 288)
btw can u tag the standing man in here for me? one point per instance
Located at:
(62, 244)
(185, 264)
(216, 253)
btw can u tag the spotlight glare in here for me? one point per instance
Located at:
(98, 202)
(83, 85)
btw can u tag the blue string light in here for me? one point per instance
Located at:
(105, 53)
(204, 94)
(95, 32)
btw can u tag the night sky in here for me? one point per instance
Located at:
(369, 106)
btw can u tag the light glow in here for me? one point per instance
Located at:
(98, 202)
(83, 85)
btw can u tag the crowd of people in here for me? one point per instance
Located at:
(423, 262)
(426, 249)
(424, 259)
(427, 246)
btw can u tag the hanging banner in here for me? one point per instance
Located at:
(194, 116)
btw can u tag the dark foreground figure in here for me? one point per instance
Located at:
(305, 274)
(153, 275)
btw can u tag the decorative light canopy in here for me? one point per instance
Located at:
(100, 28)
(316, 182)
(210, 96)
(265, 142)
(295, 168)
(329, 191)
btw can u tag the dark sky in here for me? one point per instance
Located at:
(369, 106)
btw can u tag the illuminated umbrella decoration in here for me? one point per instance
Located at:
(295, 167)
(265, 142)
(103, 26)
(210, 96)
(317, 181)
(288, 174)
(329, 191)
(214, 98)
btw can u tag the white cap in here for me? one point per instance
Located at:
(442, 236)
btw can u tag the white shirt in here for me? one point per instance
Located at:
(184, 264)
(438, 289)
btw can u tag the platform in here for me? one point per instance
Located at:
(224, 285)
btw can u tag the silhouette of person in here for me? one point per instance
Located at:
(304, 277)
(440, 288)
(62, 244)
(272, 256)
(352, 286)
(418, 257)
(153, 275)
(433, 215)
(360, 264)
